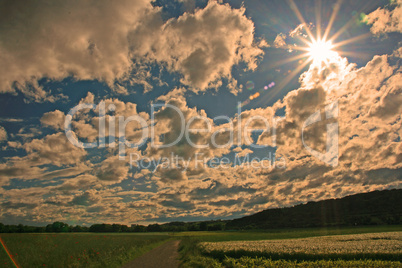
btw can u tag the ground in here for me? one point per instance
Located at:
(165, 256)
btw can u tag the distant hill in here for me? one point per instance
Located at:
(373, 208)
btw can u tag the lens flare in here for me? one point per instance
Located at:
(8, 253)
(250, 85)
(321, 51)
(318, 49)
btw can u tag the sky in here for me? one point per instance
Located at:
(139, 112)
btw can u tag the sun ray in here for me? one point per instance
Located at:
(294, 58)
(285, 82)
(343, 29)
(332, 19)
(347, 24)
(351, 40)
(296, 10)
(299, 48)
(319, 50)
(292, 75)
(318, 9)
(356, 54)
(304, 40)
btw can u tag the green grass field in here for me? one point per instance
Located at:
(284, 233)
(113, 250)
(76, 250)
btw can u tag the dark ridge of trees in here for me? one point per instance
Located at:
(374, 208)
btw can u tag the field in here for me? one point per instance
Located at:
(76, 250)
(330, 247)
(385, 244)
(345, 247)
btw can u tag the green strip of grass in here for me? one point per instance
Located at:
(221, 255)
(285, 233)
(77, 250)
(339, 263)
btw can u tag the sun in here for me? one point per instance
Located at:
(321, 51)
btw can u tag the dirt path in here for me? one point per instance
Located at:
(164, 256)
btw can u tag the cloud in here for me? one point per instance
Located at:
(398, 52)
(112, 170)
(116, 41)
(389, 103)
(280, 40)
(20, 168)
(385, 20)
(60, 39)
(361, 93)
(33, 92)
(368, 113)
(3, 134)
(11, 120)
(54, 119)
(28, 132)
(365, 163)
(17, 206)
(203, 46)
(87, 198)
(88, 187)
(297, 31)
(54, 149)
(242, 152)
(86, 123)
(80, 182)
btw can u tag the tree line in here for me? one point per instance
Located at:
(61, 227)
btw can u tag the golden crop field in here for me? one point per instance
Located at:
(374, 243)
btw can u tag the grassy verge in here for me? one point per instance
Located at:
(219, 236)
(338, 263)
(221, 255)
(76, 250)
(192, 257)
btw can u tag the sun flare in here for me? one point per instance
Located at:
(321, 51)
(318, 49)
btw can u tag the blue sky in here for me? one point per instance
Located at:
(203, 57)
